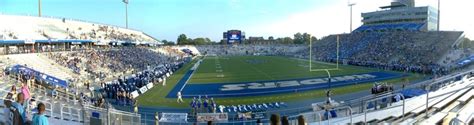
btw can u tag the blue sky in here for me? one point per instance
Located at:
(166, 19)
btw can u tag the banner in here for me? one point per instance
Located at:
(149, 85)
(203, 117)
(135, 94)
(247, 115)
(53, 81)
(174, 117)
(143, 89)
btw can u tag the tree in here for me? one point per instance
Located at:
(166, 42)
(287, 40)
(298, 38)
(189, 41)
(270, 38)
(201, 41)
(314, 39)
(302, 38)
(182, 39)
(466, 43)
(306, 38)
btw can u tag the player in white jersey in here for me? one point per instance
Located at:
(180, 97)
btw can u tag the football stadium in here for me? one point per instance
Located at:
(397, 67)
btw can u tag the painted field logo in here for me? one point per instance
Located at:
(293, 83)
(238, 89)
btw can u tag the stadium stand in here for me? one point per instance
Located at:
(440, 102)
(390, 27)
(37, 28)
(96, 74)
(404, 51)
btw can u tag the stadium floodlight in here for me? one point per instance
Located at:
(39, 8)
(439, 13)
(126, 13)
(350, 6)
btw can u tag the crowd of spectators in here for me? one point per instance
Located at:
(403, 51)
(102, 64)
(412, 51)
(70, 61)
(102, 32)
(250, 49)
(21, 107)
(121, 89)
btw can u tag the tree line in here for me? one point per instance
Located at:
(298, 38)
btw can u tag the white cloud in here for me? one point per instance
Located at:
(334, 18)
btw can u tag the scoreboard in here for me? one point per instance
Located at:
(234, 36)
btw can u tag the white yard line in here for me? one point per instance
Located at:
(258, 70)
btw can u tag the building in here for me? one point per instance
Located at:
(233, 36)
(400, 15)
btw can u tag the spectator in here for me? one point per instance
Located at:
(8, 103)
(157, 118)
(18, 105)
(13, 91)
(39, 118)
(32, 103)
(285, 121)
(54, 92)
(26, 93)
(274, 119)
(259, 122)
(301, 120)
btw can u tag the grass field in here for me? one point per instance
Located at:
(255, 68)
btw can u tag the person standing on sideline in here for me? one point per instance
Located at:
(135, 107)
(180, 97)
(199, 104)
(39, 118)
(157, 119)
(164, 81)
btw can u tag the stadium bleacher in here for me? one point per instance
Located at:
(390, 27)
(41, 28)
(439, 101)
(403, 51)
(117, 72)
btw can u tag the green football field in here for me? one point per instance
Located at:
(230, 69)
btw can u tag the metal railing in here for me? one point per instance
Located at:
(65, 108)
(361, 104)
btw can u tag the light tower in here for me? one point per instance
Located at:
(126, 13)
(350, 6)
(39, 8)
(439, 14)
